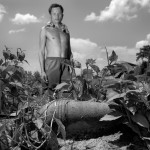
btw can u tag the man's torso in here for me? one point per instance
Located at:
(57, 42)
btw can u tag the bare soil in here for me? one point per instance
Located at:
(119, 138)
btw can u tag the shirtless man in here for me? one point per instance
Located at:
(55, 48)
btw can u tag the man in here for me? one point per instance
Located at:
(55, 48)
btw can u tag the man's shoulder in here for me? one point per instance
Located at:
(49, 25)
(64, 28)
(43, 31)
(45, 28)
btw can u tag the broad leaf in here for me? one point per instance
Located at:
(111, 82)
(26, 61)
(38, 123)
(20, 55)
(11, 68)
(95, 68)
(12, 56)
(146, 138)
(52, 142)
(116, 96)
(129, 66)
(141, 120)
(109, 117)
(17, 148)
(60, 86)
(61, 128)
(111, 93)
(90, 61)
(118, 74)
(134, 127)
(1, 69)
(1, 89)
(19, 84)
(132, 110)
(10, 72)
(148, 115)
(17, 75)
(34, 135)
(77, 64)
(1, 61)
(113, 57)
(2, 128)
(6, 54)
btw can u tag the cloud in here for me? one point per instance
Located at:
(143, 3)
(148, 37)
(16, 31)
(119, 10)
(124, 53)
(34, 64)
(21, 19)
(78, 55)
(84, 49)
(2, 12)
(82, 45)
(91, 17)
(123, 50)
(142, 43)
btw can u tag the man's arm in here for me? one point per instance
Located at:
(42, 43)
(70, 52)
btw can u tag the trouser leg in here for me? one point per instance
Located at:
(53, 74)
(65, 72)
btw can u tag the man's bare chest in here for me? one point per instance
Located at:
(56, 34)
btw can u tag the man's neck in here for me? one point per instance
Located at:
(61, 26)
(57, 25)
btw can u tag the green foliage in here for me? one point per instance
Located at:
(95, 68)
(144, 53)
(22, 94)
(87, 74)
(77, 64)
(129, 101)
(90, 62)
(113, 57)
(19, 90)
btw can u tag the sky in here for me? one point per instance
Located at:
(119, 25)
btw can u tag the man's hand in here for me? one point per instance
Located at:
(44, 77)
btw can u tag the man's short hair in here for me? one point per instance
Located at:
(54, 6)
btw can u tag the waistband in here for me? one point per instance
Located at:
(56, 58)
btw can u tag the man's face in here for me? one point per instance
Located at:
(56, 15)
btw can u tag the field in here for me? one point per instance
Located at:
(101, 109)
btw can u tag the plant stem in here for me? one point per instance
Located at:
(107, 55)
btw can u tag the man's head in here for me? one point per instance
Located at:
(56, 13)
(55, 6)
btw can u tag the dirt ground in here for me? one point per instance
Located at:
(123, 139)
(120, 137)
